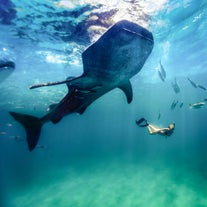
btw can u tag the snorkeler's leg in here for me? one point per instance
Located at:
(152, 129)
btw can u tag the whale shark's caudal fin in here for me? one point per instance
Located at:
(32, 126)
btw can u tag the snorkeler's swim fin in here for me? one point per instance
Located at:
(139, 122)
(32, 126)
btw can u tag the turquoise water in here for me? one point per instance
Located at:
(102, 158)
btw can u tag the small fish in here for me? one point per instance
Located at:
(159, 115)
(162, 70)
(202, 87)
(175, 86)
(181, 105)
(205, 99)
(173, 105)
(161, 77)
(192, 83)
(197, 105)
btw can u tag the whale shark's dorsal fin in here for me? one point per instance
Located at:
(126, 87)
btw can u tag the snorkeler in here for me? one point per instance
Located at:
(155, 130)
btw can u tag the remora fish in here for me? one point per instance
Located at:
(109, 63)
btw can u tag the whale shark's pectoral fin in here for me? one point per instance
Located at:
(127, 89)
(67, 81)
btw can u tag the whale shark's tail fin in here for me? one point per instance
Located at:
(32, 126)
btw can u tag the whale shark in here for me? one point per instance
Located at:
(109, 63)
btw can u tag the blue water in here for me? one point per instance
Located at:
(102, 158)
